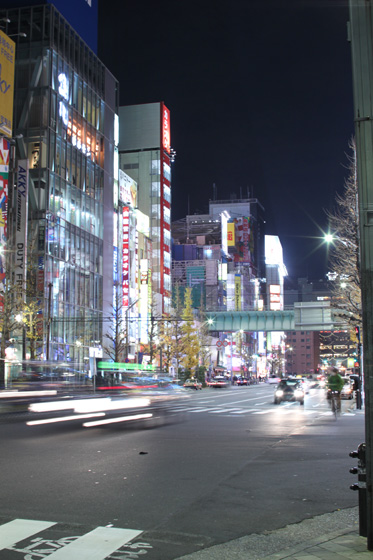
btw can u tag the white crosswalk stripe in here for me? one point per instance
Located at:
(282, 410)
(20, 529)
(97, 544)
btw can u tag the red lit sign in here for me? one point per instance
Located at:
(166, 129)
(125, 256)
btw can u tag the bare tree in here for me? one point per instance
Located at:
(344, 256)
(116, 335)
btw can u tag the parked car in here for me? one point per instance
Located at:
(193, 383)
(218, 381)
(289, 390)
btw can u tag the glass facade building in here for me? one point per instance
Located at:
(65, 104)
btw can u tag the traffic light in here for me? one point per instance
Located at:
(357, 332)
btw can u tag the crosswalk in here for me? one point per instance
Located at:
(282, 410)
(29, 539)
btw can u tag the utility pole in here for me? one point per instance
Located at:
(361, 25)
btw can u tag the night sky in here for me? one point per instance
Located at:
(260, 94)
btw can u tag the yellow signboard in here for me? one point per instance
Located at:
(7, 62)
(231, 234)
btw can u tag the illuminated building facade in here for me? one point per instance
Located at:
(145, 155)
(65, 106)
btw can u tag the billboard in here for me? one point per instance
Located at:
(127, 189)
(7, 62)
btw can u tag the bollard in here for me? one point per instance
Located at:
(361, 486)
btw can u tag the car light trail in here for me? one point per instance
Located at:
(114, 420)
(63, 419)
(12, 394)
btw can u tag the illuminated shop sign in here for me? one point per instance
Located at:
(166, 129)
(275, 297)
(125, 256)
(127, 189)
(63, 90)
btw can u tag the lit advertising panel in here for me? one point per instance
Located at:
(224, 232)
(7, 62)
(127, 189)
(166, 129)
(143, 223)
(275, 297)
(231, 234)
(21, 224)
(273, 250)
(125, 257)
(4, 170)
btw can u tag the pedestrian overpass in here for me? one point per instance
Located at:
(310, 316)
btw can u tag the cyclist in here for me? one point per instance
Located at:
(335, 383)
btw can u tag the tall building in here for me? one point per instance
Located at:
(65, 106)
(145, 155)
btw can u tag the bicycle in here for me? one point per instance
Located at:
(335, 403)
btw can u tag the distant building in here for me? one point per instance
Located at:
(302, 352)
(145, 155)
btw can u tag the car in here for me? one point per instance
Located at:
(347, 389)
(242, 381)
(272, 379)
(192, 383)
(289, 390)
(218, 381)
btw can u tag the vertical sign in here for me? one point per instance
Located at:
(125, 257)
(166, 129)
(20, 266)
(4, 171)
(237, 292)
(7, 62)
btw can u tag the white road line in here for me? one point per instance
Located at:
(262, 412)
(222, 410)
(19, 529)
(96, 545)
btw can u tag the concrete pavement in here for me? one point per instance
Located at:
(331, 536)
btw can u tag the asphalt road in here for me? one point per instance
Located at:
(224, 464)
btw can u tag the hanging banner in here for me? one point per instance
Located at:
(237, 292)
(21, 207)
(7, 62)
(4, 172)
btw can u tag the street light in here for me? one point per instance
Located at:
(331, 238)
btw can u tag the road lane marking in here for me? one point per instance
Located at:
(96, 545)
(20, 529)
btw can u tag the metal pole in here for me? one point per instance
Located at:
(361, 24)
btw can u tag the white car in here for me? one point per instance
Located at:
(347, 390)
(272, 379)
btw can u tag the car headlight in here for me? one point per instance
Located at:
(298, 393)
(279, 393)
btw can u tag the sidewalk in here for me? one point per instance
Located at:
(331, 536)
